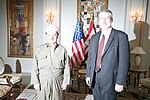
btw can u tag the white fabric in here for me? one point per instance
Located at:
(14, 78)
(3, 81)
(28, 94)
(52, 28)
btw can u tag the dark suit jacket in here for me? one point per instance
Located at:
(115, 60)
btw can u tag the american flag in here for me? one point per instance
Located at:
(77, 46)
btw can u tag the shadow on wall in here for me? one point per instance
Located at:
(141, 31)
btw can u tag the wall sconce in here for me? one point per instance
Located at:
(138, 51)
(137, 16)
(50, 17)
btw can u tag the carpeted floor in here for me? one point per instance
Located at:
(130, 93)
(79, 93)
(75, 94)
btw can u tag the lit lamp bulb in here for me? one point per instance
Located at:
(137, 16)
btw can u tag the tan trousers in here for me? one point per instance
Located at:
(51, 82)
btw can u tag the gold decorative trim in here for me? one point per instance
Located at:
(20, 28)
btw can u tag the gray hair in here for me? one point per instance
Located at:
(107, 11)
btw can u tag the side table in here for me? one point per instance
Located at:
(82, 75)
(136, 73)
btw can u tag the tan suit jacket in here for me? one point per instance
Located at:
(44, 60)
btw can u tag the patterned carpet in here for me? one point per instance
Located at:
(75, 93)
(130, 94)
(31, 95)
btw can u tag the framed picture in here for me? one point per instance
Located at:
(20, 28)
(87, 9)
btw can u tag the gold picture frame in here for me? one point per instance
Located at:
(87, 9)
(20, 28)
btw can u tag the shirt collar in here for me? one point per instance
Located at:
(48, 45)
(107, 32)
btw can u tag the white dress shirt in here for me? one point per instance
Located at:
(106, 34)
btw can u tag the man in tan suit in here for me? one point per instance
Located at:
(50, 71)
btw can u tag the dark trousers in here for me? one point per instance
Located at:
(97, 90)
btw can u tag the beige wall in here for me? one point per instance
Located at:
(66, 19)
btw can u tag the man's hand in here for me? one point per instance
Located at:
(88, 81)
(37, 87)
(118, 88)
(63, 86)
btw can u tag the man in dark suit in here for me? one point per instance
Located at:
(107, 66)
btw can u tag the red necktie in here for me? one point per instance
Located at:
(99, 56)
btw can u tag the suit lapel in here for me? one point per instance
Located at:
(110, 39)
(96, 43)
